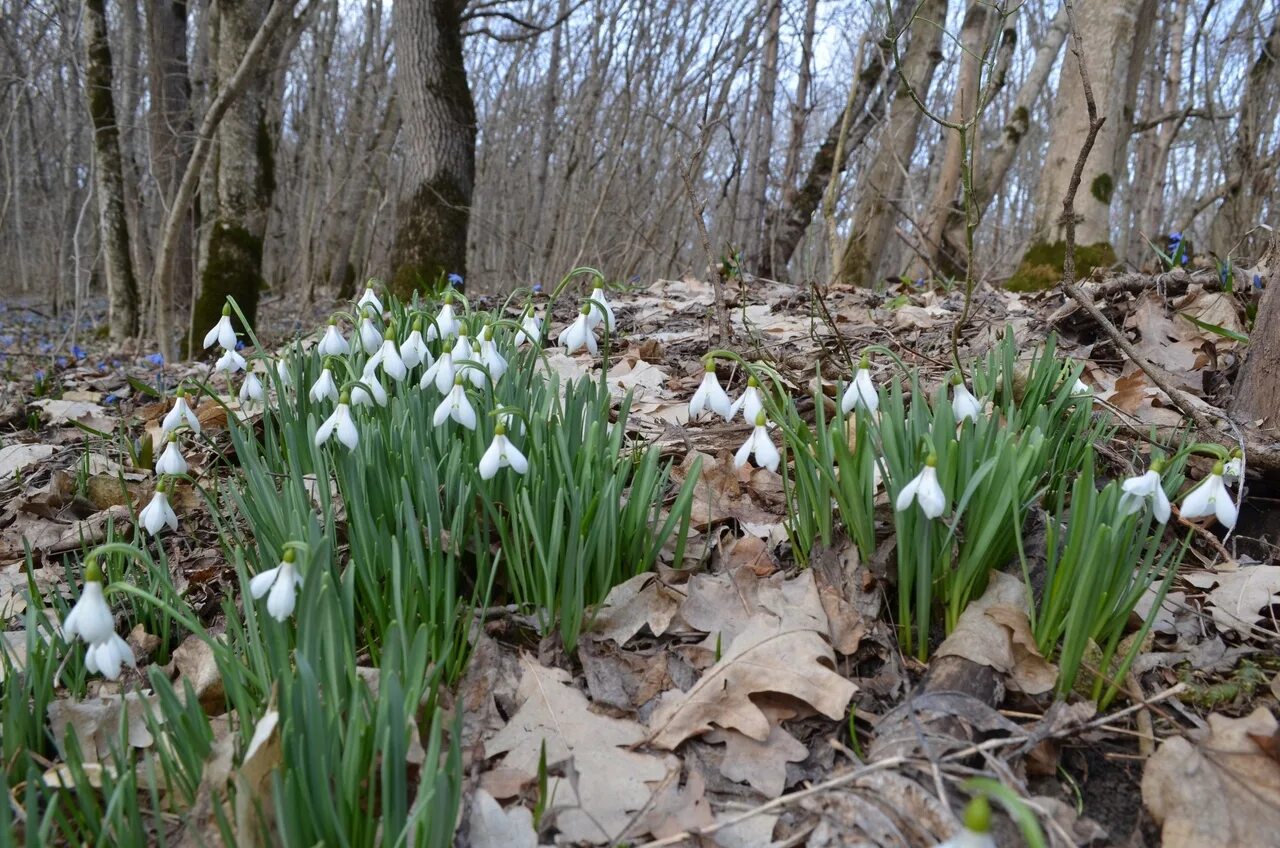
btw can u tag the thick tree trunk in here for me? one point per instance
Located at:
(1107, 30)
(108, 174)
(245, 175)
(1250, 183)
(1257, 391)
(440, 133)
(867, 251)
(762, 145)
(170, 123)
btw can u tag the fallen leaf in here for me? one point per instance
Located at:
(761, 764)
(630, 606)
(994, 631)
(77, 412)
(254, 809)
(676, 809)
(196, 665)
(96, 724)
(765, 657)
(613, 781)
(493, 827)
(1217, 791)
(17, 458)
(1241, 595)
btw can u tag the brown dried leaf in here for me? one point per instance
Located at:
(994, 631)
(1226, 766)
(493, 827)
(195, 662)
(642, 600)
(96, 723)
(253, 781)
(17, 458)
(1241, 595)
(761, 764)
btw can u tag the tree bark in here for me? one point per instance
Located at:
(867, 252)
(1257, 391)
(440, 135)
(1107, 30)
(108, 174)
(762, 144)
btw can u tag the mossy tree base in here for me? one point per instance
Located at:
(1041, 266)
(234, 269)
(431, 238)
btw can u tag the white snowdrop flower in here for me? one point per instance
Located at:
(456, 406)
(324, 387)
(751, 402)
(1145, 487)
(976, 831)
(925, 490)
(491, 358)
(1211, 498)
(180, 412)
(222, 332)
(333, 344)
(579, 335)
(861, 392)
(283, 372)
(282, 582)
(1233, 468)
(370, 338)
(710, 396)
(158, 513)
(370, 390)
(1081, 388)
(369, 299)
(392, 363)
(595, 316)
(251, 390)
(530, 330)
(171, 461)
(441, 372)
(462, 347)
(230, 362)
(341, 424)
(91, 621)
(761, 445)
(446, 323)
(501, 454)
(963, 403)
(414, 351)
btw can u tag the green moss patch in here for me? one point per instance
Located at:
(1041, 266)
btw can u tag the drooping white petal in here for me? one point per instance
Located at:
(283, 596)
(283, 372)
(594, 317)
(767, 455)
(1160, 505)
(530, 331)
(462, 348)
(446, 324)
(346, 428)
(392, 365)
(230, 362)
(263, 581)
(370, 337)
(324, 387)
(333, 344)
(157, 514)
(107, 657)
(925, 490)
(578, 335)
(1211, 498)
(750, 403)
(964, 404)
(414, 350)
(861, 392)
(441, 372)
(90, 618)
(251, 389)
(222, 333)
(171, 461)
(1232, 468)
(370, 299)
(492, 460)
(493, 361)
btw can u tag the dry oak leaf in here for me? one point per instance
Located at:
(994, 631)
(643, 599)
(764, 657)
(761, 764)
(613, 782)
(1241, 595)
(1228, 769)
(493, 827)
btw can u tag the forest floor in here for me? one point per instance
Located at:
(1190, 748)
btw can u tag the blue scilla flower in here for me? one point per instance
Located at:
(1174, 238)
(537, 288)
(45, 346)
(39, 375)
(239, 344)
(154, 359)
(455, 279)
(110, 399)
(61, 362)
(1257, 281)
(77, 352)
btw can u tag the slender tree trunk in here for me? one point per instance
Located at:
(440, 135)
(867, 251)
(1139, 58)
(122, 286)
(1257, 391)
(1151, 216)
(762, 148)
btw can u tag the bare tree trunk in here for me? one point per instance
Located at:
(1139, 56)
(546, 146)
(1250, 183)
(867, 250)
(800, 105)
(122, 286)
(762, 146)
(440, 133)
(1257, 391)
(1107, 30)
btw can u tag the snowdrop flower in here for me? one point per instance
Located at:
(392, 364)
(530, 330)
(333, 344)
(251, 390)
(414, 351)
(493, 361)
(456, 406)
(282, 581)
(924, 490)
(340, 423)
(441, 372)
(751, 403)
(446, 323)
(1211, 498)
(230, 362)
(501, 454)
(324, 387)
(462, 347)
(370, 338)
(181, 411)
(710, 396)
(222, 332)
(595, 316)
(861, 392)
(370, 390)
(761, 445)
(976, 831)
(171, 461)
(158, 513)
(1081, 388)
(369, 299)
(963, 403)
(91, 620)
(1233, 467)
(283, 372)
(1146, 487)
(578, 334)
